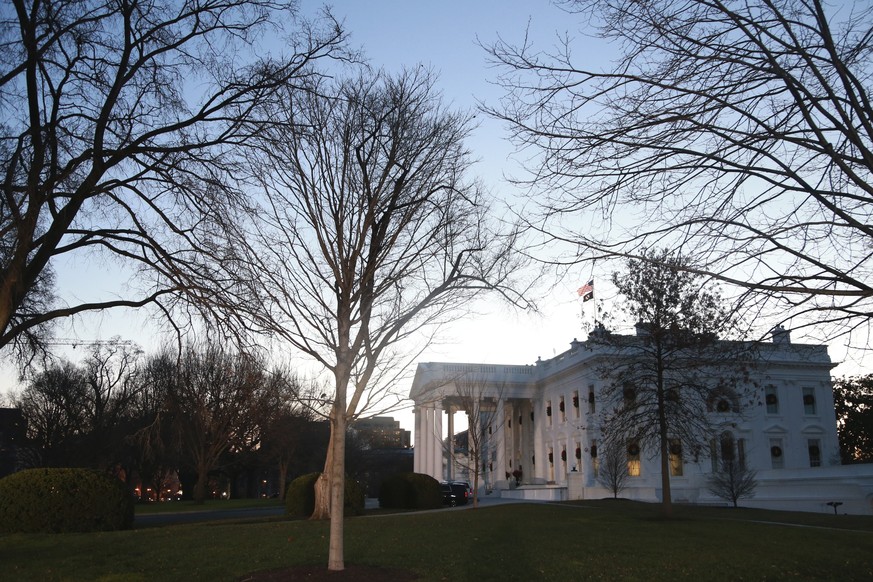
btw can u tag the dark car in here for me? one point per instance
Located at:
(454, 494)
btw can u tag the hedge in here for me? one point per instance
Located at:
(300, 496)
(63, 500)
(410, 491)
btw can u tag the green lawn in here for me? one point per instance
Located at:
(583, 541)
(208, 505)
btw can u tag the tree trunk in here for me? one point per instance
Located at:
(200, 485)
(666, 496)
(283, 476)
(322, 485)
(335, 560)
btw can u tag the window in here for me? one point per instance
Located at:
(814, 447)
(771, 398)
(563, 410)
(675, 458)
(809, 401)
(595, 460)
(777, 454)
(549, 412)
(633, 459)
(726, 447)
(591, 406)
(713, 455)
(576, 403)
(741, 453)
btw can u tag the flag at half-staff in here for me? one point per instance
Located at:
(586, 291)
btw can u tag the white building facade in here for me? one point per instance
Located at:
(541, 424)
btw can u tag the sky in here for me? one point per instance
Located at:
(445, 36)
(393, 34)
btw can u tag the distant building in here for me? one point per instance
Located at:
(545, 426)
(382, 432)
(13, 432)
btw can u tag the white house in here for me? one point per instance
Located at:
(541, 422)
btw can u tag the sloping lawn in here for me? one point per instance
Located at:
(584, 541)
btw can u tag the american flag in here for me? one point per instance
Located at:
(586, 291)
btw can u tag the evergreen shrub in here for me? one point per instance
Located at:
(410, 491)
(63, 500)
(300, 496)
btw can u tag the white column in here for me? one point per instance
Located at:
(539, 447)
(451, 451)
(427, 440)
(501, 467)
(439, 453)
(419, 441)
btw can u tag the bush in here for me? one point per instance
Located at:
(300, 496)
(63, 500)
(410, 491)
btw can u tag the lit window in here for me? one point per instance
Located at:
(814, 446)
(633, 459)
(777, 455)
(809, 401)
(595, 460)
(675, 457)
(771, 398)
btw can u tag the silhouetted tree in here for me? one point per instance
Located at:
(853, 404)
(121, 121)
(370, 231)
(612, 471)
(661, 382)
(733, 481)
(741, 133)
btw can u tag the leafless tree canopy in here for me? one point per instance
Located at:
(733, 481)
(119, 123)
(740, 132)
(367, 230)
(612, 471)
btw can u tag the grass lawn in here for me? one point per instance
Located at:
(605, 540)
(208, 505)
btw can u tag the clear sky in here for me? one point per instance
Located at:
(442, 35)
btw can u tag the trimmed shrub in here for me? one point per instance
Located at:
(300, 496)
(63, 500)
(410, 491)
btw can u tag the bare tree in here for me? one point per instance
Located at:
(290, 413)
(121, 121)
(664, 380)
(371, 233)
(53, 403)
(612, 470)
(739, 132)
(211, 400)
(110, 374)
(734, 481)
(480, 403)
